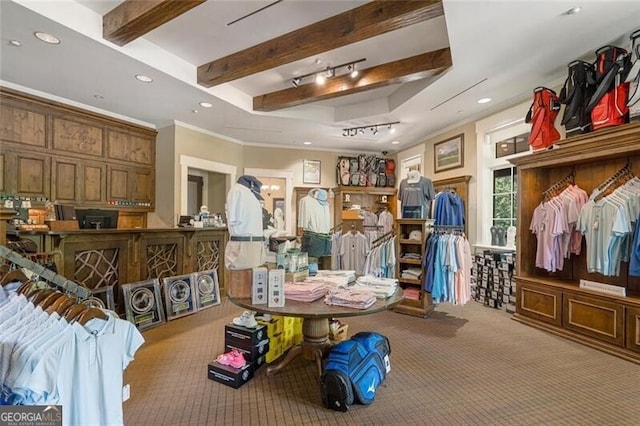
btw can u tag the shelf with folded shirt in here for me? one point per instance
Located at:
(352, 201)
(410, 249)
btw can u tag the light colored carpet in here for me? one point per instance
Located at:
(464, 365)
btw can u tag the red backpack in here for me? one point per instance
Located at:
(542, 115)
(608, 105)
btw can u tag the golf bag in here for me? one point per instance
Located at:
(542, 115)
(576, 93)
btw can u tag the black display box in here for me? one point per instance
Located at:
(255, 355)
(244, 338)
(227, 375)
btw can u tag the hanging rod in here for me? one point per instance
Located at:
(45, 273)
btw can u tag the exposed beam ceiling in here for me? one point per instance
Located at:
(370, 20)
(133, 18)
(401, 71)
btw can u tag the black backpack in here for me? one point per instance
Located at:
(576, 93)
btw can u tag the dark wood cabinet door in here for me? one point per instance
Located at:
(142, 185)
(94, 183)
(118, 187)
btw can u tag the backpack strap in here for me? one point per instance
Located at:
(610, 78)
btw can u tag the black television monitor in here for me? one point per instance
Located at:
(97, 218)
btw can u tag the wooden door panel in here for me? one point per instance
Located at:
(594, 317)
(65, 181)
(94, 183)
(129, 147)
(632, 326)
(33, 175)
(143, 185)
(118, 184)
(77, 137)
(540, 303)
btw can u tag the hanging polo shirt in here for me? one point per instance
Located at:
(244, 212)
(353, 249)
(313, 215)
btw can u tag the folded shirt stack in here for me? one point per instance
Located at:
(412, 293)
(338, 278)
(304, 292)
(412, 273)
(381, 287)
(414, 256)
(350, 298)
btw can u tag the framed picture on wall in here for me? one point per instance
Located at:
(449, 154)
(311, 171)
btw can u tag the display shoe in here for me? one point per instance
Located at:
(247, 319)
(234, 359)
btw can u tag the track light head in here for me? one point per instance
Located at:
(330, 72)
(296, 81)
(320, 79)
(352, 70)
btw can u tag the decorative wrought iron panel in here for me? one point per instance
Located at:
(208, 255)
(162, 261)
(96, 268)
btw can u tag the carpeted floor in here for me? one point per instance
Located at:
(464, 365)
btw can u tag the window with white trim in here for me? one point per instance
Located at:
(504, 197)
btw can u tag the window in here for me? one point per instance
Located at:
(511, 146)
(505, 186)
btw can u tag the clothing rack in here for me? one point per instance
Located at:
(448, 229)
(559, 185)
(45, 273)
(621, 177)
(384, 237)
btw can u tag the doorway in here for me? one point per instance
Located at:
(194, 194)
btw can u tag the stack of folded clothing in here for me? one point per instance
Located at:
(412, 293)
(412, 273)
(381, 287)
(350, 298)
(304, 292)
(414, 256)
(339, 277)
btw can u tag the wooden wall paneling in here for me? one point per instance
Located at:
(541, 303)
(130, 147)
(65, 180)
(632, 327)
(118, 183)
(94, 183)
(143, 186)
(594, 317)
(33, 174)
(77, 137)
(2, 171)
(22, 126)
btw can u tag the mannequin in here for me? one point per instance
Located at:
(416, 193)
(313, 218)
(245, 248)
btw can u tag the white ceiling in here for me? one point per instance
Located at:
(509, 46)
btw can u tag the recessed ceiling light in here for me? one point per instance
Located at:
(395, 142)
(98, 96)
(483, 100)
(204, 104)
(573, 11)
(307, 143)
(15, 43)
(195, 111)
(46, 37)
(318, 61)
(143, 78)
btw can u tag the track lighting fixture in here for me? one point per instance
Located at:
(329, 72)
(375, 129)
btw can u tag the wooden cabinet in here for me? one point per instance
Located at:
(555, 301)
(368, 198)
(72, 156)
(407, 242)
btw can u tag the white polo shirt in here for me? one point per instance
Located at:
(244, 212)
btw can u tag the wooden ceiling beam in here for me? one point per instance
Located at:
(134, 18)
(370, 20)
(401, 71)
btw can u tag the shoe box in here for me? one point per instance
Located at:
(230, 376)
(255, 355)
(243, 337)
(252, 342)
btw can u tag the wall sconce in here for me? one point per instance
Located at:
(269, 189)
(354, 131)
(329, 72)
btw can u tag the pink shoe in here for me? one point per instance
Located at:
(233, 358)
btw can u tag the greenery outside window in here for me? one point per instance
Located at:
(504, 197)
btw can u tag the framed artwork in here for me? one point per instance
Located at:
(449, 154)
(311, 171)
